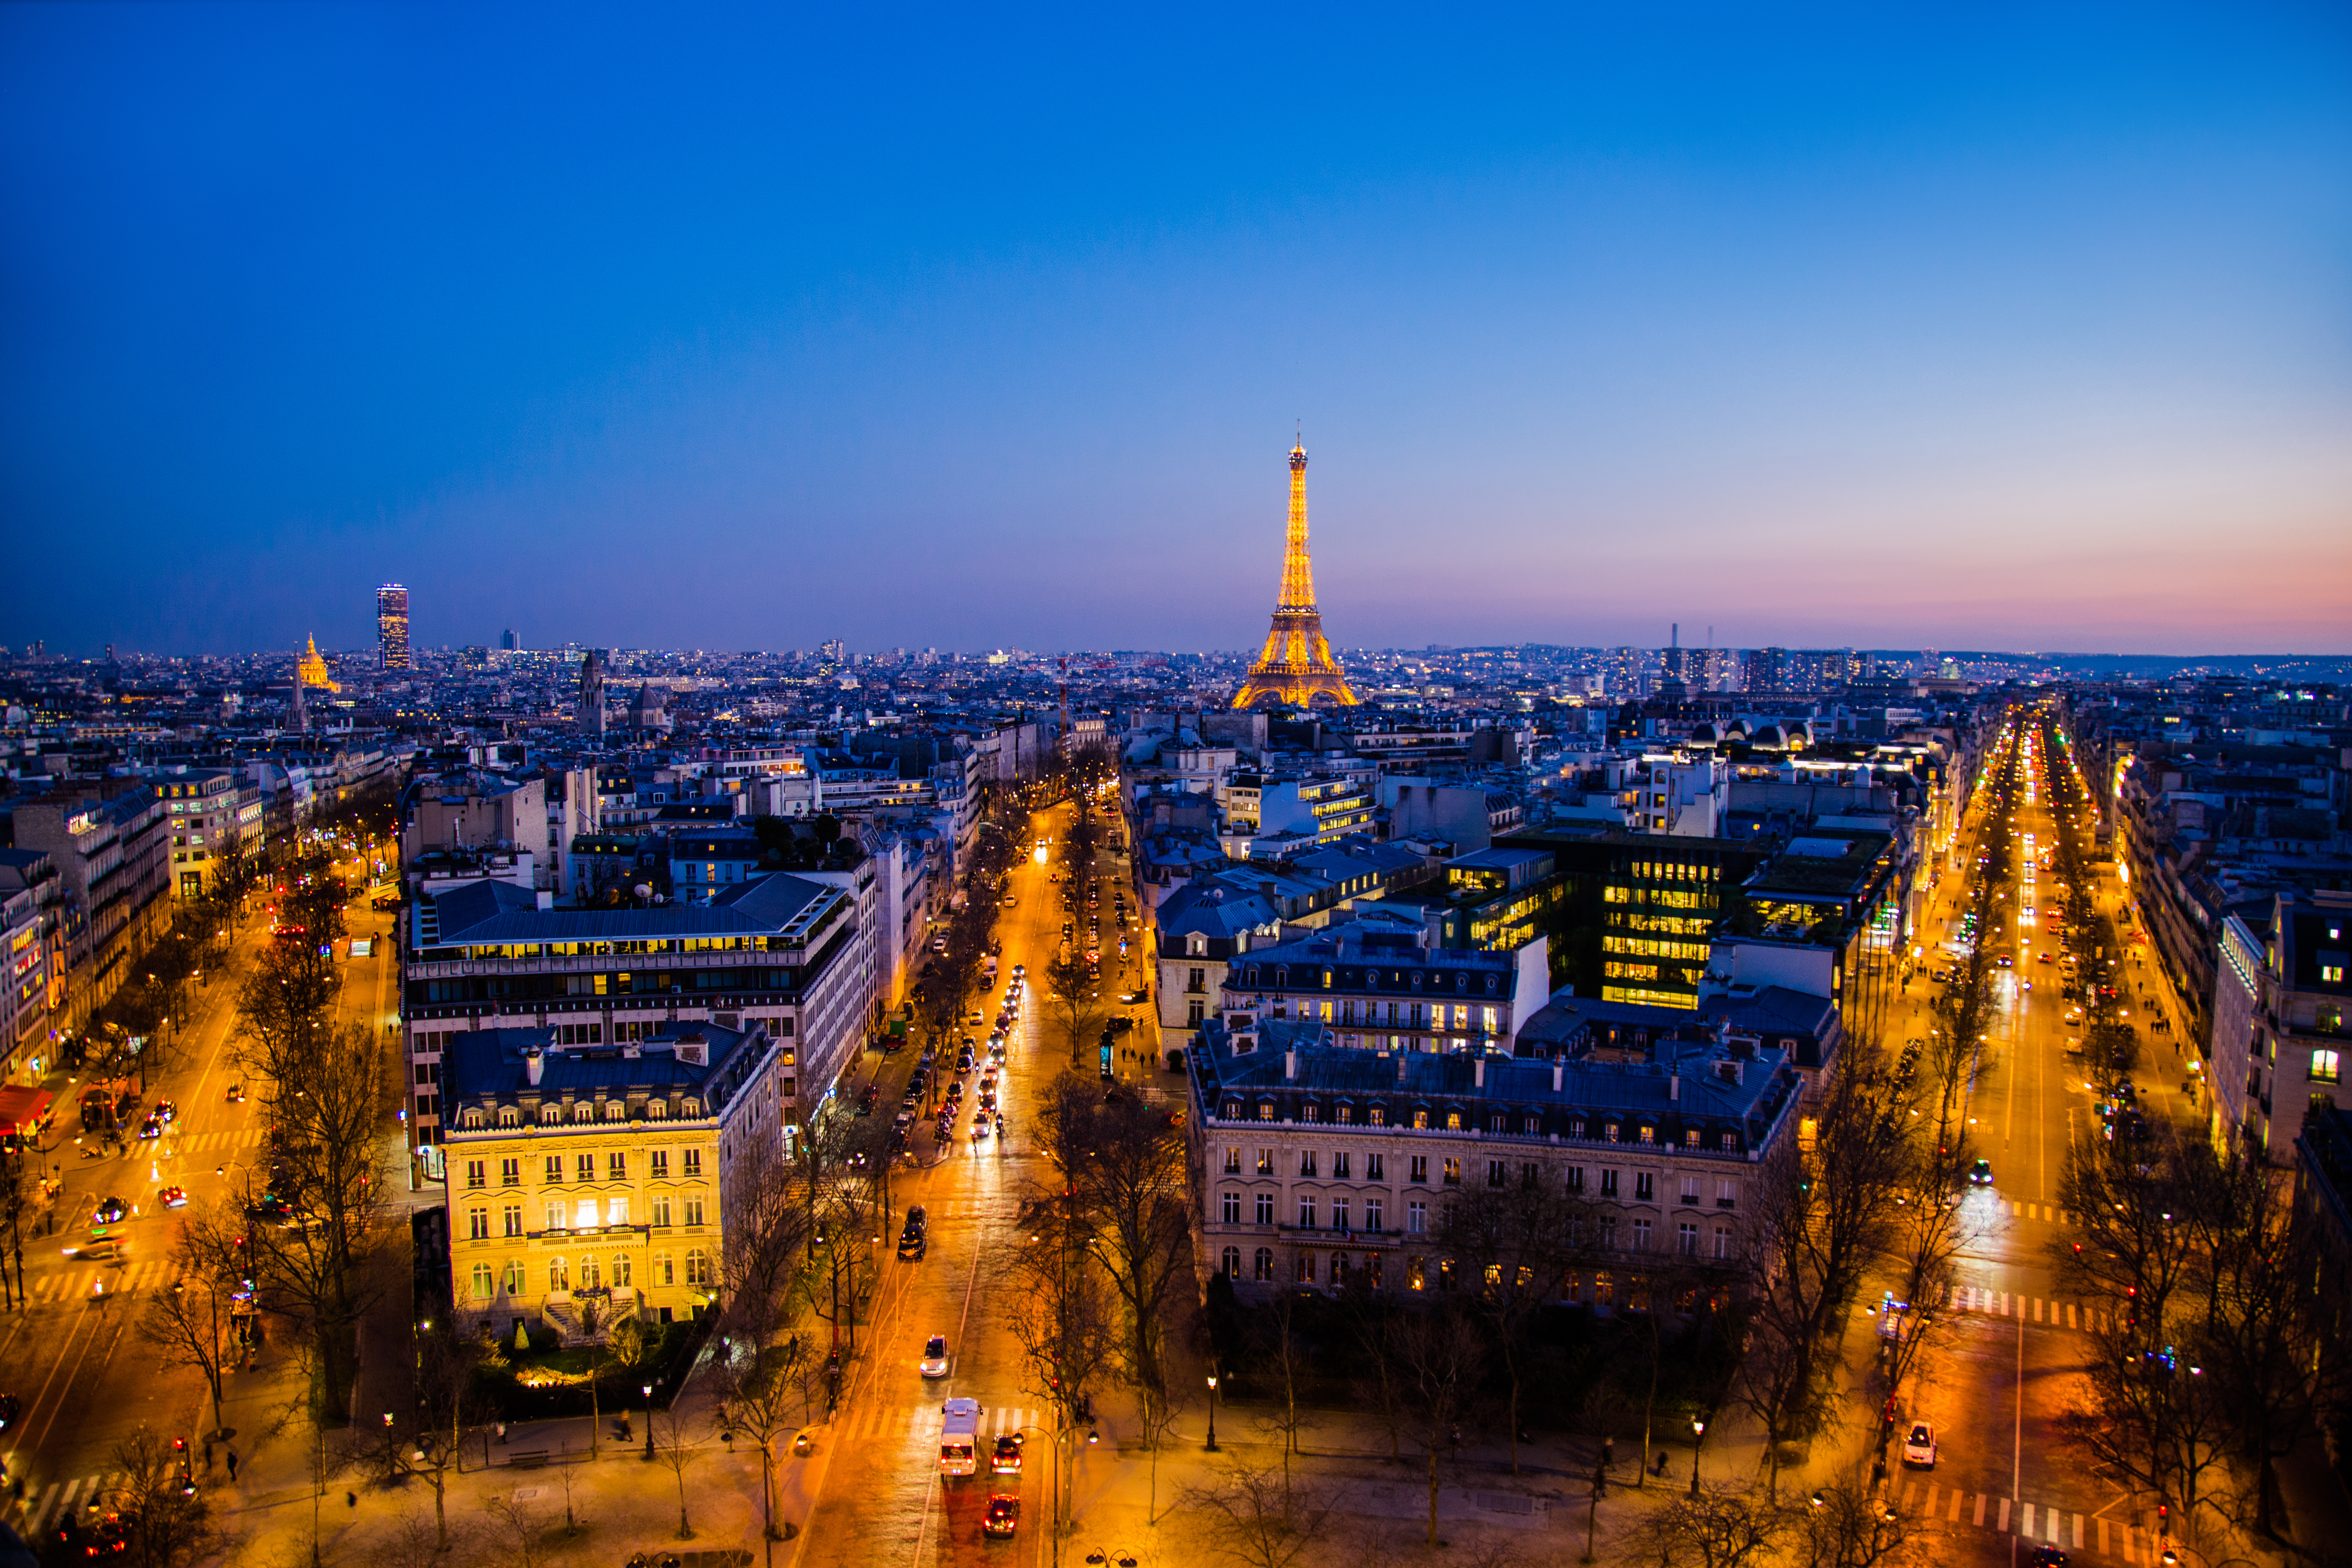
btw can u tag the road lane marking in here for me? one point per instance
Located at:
(2025, 1519)
(2078, 1533)
(2003, 1525)
(1959, 1496)
(1980, 1510)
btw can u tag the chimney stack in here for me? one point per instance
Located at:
(1675, 1086)
(546, 899)
(1400, 1068)
(1479, 1072)
(534, 1064)
(1555, 1077)
(1290, 1065)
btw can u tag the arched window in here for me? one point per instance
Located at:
(1233, 1263)
(589, 1276)
(621, 1270)
(1282, 977)
(559, 1274)
(1494, 984)
(663, 1270)
(1263, 1263)
(485, 1282)
(1461, 983)
(697, 1268)
(513, 1277)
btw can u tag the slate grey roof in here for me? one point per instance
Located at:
(500, 913)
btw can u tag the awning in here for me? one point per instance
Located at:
(22, 1109)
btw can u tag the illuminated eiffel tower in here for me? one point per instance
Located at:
(1296, 666)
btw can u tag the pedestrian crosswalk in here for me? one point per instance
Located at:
(874, 1421)
(86, 1284)
(2049, 1212)
(47, 1505)
(2033, 1309)
(174, 1143)
(2133, 1541)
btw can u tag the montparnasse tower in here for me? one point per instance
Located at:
(1296, 666)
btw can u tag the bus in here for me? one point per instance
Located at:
(960, 1437)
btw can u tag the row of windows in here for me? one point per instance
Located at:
(1498, 1173)
(1401, 1015)
(1339, 1270)
(551, 1113)
(1522, 1123)
(1655, 947)
(584, 1168)
(590, 1273)
(1661, 898)
(1673, 925)
(1277, 977)
(585, 1214)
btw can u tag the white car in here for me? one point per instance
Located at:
(935, 1356)
(1919, 1449)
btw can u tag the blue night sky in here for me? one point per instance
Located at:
(1971, 326)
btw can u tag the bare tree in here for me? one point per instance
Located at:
(1443, 1358)
(1848, 1525)
(192, 1324)
(1123, 1165)
(757, 1386)
(1066, 1325)
(1283, 1352)
(323, 1217)
(165, 1520)
(1073, 1002)
(1719, 1528)
(1826, 1215)
(1511, 1243)
(429, 1441)
(1259, 1516)
(673, 1442)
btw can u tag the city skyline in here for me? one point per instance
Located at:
(2024, 337)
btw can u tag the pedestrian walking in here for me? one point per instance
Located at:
(231, 1454)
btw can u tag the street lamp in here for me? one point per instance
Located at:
(1213, 1412)
(1698, 1430)
(1116, 1557)
(648, 1389)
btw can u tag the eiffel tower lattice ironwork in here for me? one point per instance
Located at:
(1296, 666)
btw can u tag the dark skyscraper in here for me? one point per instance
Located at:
(392, 626)
(507, 641)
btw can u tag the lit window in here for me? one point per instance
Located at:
(2325, 1066)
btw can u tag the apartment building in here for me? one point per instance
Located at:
(784, 952)
(1381, 990)
(2280, 1001)
(1318, 1164)
(602, 1175)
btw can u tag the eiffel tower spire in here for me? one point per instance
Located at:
(1296, 665)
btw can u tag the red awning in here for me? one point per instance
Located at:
(21, 1108)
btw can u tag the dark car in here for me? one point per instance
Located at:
(10, 1408)
(1004, 1516)
(1980, 1174)
(110, 1211)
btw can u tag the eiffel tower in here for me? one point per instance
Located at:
(1296, 666)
